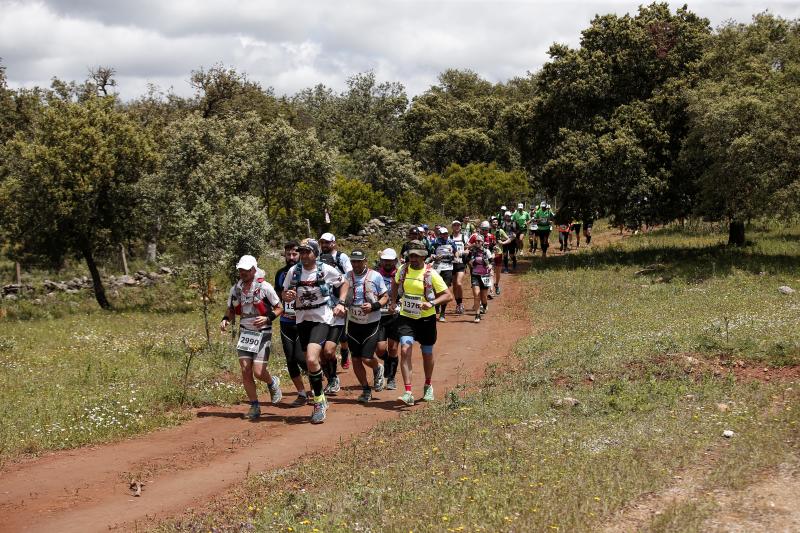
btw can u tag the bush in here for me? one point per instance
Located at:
(354, 203)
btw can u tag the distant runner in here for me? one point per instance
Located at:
(459, 265)
(388, 347)
(510, 249)
(444, 254)
(257, 303)
(501, 239)
(480, 276)
(521, 218)
(544, 219)
(327, 244)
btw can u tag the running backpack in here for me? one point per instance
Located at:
(236, 301)
(427, 282)
(324, 289)
(369, 293)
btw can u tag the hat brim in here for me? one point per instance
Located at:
(420, 253)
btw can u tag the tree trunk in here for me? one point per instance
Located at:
(18, 268)
(736, 233)
(99, 291)
(152, 244)
(124, 259)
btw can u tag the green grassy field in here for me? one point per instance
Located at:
(649, 357)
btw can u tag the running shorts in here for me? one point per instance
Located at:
(447, 276)
(312, 333)
(388, 328)
(498, 260)
(422, 330)
(477, 281)
(295, 362)
(335, 333)
(262, 355)
(576, 228)
(459, 267)
(362, 338)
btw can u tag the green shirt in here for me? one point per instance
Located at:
(543, 217)
(521, 219)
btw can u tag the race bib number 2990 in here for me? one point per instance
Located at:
(249, 341)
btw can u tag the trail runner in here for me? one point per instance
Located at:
(388, 347)
(444, 254)
(461, 241)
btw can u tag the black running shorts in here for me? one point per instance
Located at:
(362, 338)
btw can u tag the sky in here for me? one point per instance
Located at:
(291, 45)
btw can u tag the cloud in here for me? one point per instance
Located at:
(290, 46)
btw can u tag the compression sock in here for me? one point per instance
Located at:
(408, 387)
(391, 366)
(427, 381)
(315, 378)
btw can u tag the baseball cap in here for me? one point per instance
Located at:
(327, 237)
(503, 208)
(443, 230)
(543, 204)
(507, 214)
(417, 248)
(520, 206)
(485, 224)
(389, 254)
(455, 222)
(246, 262)
(358, 255)
(425, 226)
(309, 244)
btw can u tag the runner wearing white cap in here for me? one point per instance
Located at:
(444, 253)
(257, 303)
(327, 243)
(388, 338)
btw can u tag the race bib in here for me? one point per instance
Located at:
(412, 305)
(249, 341)
(534, 227)
(487, 281)
(444, 266)
(358, 316)
(288, 309)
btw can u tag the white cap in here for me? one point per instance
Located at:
(543, 204)
(455, 222)
(547, 206)
(443, 230)
(485, 224)
(503, 208)
(507, 214)
(520, 206)
(327, 237)
(389, 254)
(246, 262)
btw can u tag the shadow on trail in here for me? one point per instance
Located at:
(689, 263)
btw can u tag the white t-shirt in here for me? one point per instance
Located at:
(341, 259)
(461, 244)
(258, 301)
(310, 305)
(378, 289)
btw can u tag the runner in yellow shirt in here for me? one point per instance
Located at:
(420, 289)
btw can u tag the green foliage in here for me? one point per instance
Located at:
(71, 184)
(354, 203)
(475, 188)
(413, 207)
(744, 141)
(388, 171)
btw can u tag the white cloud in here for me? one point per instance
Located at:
(294, 45)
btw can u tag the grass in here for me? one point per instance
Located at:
(648, 360)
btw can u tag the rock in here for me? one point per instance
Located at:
(723, 407)
(11, 297)
(153, 276)
(785, 289)
(71, 291)
(376, 223)
(54, 285)
(565, 402)
(728, 433)
(691, 360)
(126, 280)
(362, 233)
(165, 271)
(142, 273)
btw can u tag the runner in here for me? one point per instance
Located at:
(502, 212)
(459, 267)
(521, 217)
(564, 231)
(543, 218)
(336, 336)
(480, 277)
(469, 228)
(295, 362)
(327, 242)
(309, 284)
(412, 235)
(489, 243)
(509, 250)
(257, 303)
(533, 229)
(420, 289)
(501, 239)
(576, 227)
(365, 298)
(388, 339)
(444, 252)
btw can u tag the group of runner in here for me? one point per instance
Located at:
(326, 300)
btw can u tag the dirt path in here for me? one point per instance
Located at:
(88, 489)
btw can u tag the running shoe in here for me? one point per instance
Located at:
(497, 291)
(391, 384)
(254, 412)
(460, 309)
(407, 398)
(377, 376)
(333, 386)
(300, 401)
(275, 393)
(365, 397)
(346, 363)
(483, 309)
(491, 296)
(318, 414)
(442, 319)
(427, 393)
(477, 318)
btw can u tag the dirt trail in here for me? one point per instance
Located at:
(88, 489)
